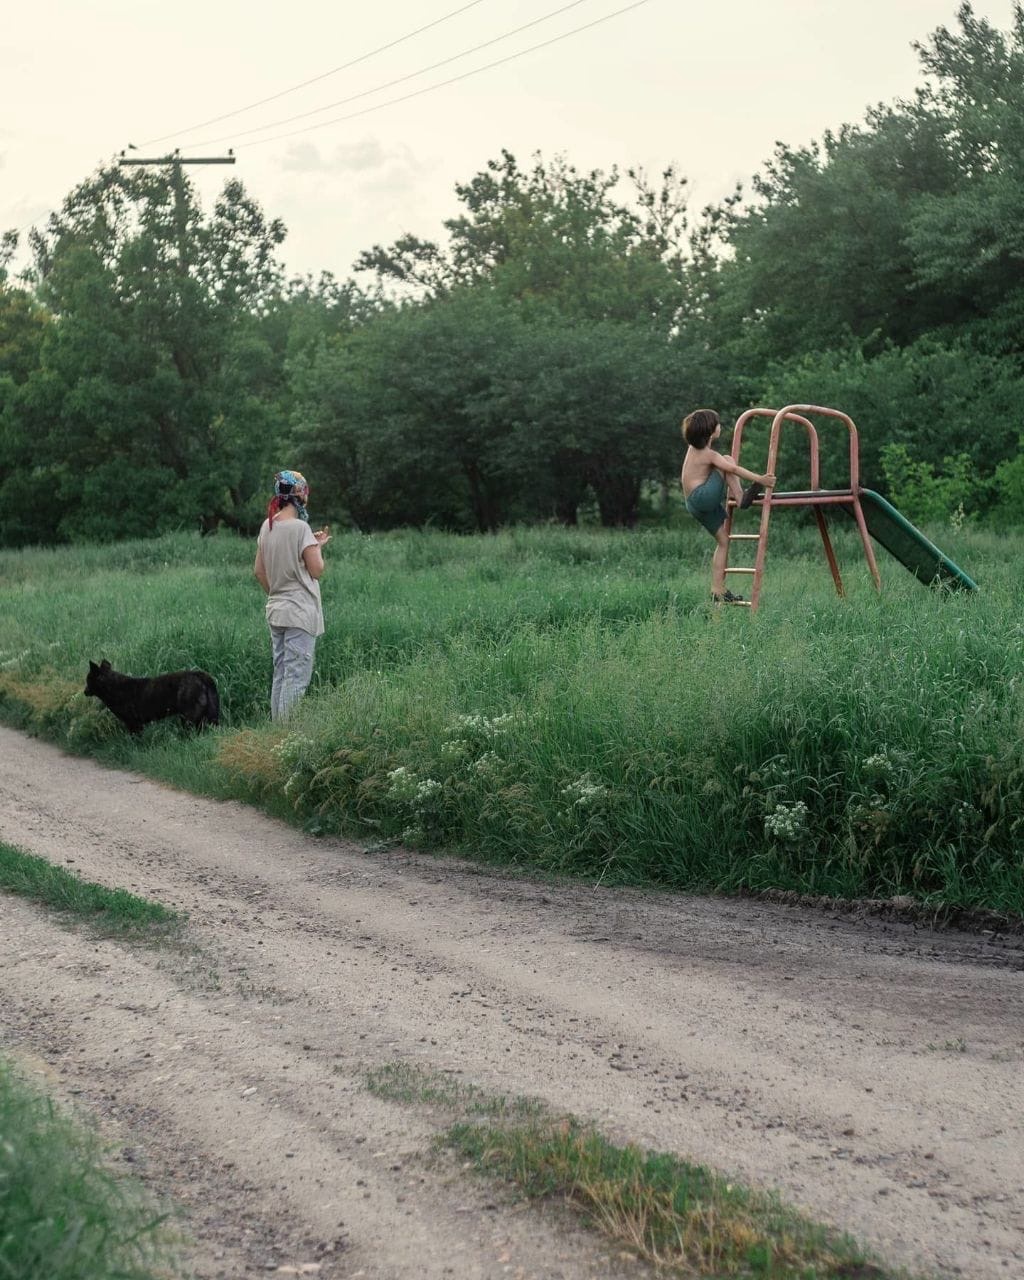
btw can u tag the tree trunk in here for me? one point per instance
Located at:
(618, 500)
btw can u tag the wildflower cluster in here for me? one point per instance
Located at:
(488, 763)
(483, 726)
(293, 750)
(406, 787)
(583, 793)
(474, 735)
(787, 822)
(883, 764)
(966, 815)
(297, 753)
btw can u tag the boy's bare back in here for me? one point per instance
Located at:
(698, 464)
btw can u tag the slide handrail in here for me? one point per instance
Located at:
(798, 413)
(779, 416)
(797, 410)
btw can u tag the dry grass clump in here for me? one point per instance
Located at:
(670, 1212)
(250, 756)
(43, 694)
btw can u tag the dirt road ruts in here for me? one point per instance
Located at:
(870, 1071)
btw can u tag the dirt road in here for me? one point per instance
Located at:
(870, 1071)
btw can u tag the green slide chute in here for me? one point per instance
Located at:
(909, 545)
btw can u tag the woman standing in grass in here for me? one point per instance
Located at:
(289, 563)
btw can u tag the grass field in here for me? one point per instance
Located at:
(564, 701)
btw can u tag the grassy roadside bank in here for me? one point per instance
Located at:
(561, 701)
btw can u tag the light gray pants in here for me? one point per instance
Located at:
(293, 667)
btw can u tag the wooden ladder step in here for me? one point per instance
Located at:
(739, 604)
(730, 569)
(744, 537)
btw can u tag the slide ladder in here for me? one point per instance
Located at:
(755, 571)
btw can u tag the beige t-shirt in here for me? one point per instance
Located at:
(294, 599)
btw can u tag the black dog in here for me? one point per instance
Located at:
(137, 701)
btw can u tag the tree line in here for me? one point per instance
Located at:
(156, 363)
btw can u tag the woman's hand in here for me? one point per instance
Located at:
(323, 536)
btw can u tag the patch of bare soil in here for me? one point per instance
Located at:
(868, 1069)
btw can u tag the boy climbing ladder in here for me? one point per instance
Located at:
(705, 478)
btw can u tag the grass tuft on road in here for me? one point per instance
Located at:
(112, 912)
(405, 1082)
(668, 1211)
(63, 1214)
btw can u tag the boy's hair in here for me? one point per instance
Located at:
(699, 427)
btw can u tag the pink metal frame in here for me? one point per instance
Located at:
(798, 413)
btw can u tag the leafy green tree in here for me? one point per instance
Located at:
(393, 415)
(821, 258)
(905, 225)
(23, 328)
(1009, 482)
(593, 408)
(968, 238)
(154, 401)
(934, 400)
(926, 493)
(554, 237)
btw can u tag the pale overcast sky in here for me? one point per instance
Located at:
(709, 86)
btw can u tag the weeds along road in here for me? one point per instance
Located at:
(870, 1071)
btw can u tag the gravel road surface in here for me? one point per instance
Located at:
(870, 1071)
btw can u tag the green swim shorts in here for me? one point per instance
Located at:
(707, 502)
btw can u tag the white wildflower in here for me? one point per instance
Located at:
(787, 822)
(401, 783)
(407, 788)
(481, 726)
(584, 792)
(292, 749)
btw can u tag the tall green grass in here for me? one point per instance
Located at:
(566, 701)
(63, 1213)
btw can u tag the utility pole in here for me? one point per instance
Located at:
(175, 161)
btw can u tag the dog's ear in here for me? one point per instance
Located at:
(93, 668)
(104, 665)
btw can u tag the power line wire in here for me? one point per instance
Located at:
(304, 115)
(352, 115)
(314, 79)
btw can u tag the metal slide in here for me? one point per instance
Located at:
(874, 517)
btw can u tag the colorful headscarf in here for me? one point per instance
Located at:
(290, 488)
